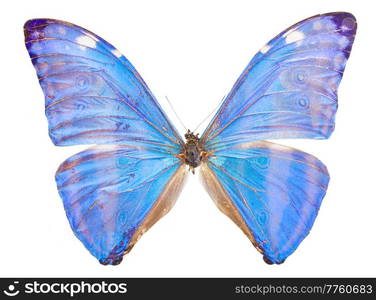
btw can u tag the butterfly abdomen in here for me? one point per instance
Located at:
(192, 154)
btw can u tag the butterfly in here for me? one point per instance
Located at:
(116, 190)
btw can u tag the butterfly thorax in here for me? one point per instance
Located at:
(192, 152)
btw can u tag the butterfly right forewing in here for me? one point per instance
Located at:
(289, 89)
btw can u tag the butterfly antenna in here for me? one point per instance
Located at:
(180, 121)
(215, 109)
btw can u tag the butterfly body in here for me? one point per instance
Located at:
(116, 190)
(193, 151)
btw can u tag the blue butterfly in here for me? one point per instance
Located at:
(114, 191)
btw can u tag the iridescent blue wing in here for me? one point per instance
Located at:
(93, 94)
(113, 193)
(289, 89)
(272, 192)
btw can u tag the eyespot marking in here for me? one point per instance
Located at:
(303, 102)
(82, 82)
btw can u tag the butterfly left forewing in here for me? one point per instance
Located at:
(93, 95)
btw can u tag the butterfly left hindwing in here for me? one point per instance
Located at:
(113, 193)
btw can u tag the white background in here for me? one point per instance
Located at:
(192, 51)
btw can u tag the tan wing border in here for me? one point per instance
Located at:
(223, 201)
(162, 206)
